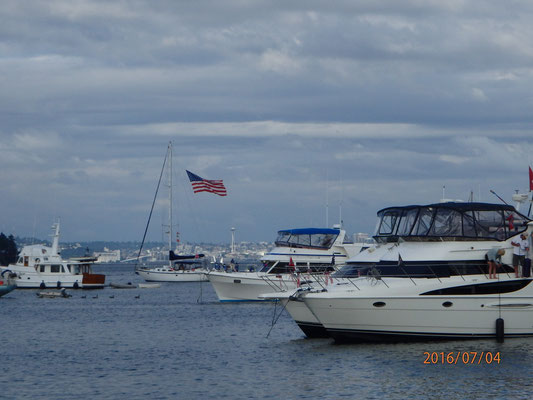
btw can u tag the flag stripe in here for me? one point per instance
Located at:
(205, 185)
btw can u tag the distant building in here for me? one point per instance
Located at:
(107, 256)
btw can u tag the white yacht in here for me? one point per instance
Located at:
(427, 278)
(40, 266)
(299, 254)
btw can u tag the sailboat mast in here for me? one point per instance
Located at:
(170, 203)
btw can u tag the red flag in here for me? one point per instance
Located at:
(291, 265)
(530, 179)
(510, 218)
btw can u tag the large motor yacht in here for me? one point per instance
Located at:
(40, 266)
(298, 255)
(427, 278)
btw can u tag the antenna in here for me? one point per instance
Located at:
(232, 240)
(494, 193)
(327, 199)
(340, 201)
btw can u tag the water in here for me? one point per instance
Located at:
(179, 342)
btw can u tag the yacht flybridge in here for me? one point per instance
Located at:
(427, 278)
(40, 266)
(298, 255)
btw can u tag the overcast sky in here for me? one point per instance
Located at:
(296, 105)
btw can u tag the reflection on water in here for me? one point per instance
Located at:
(178, 341)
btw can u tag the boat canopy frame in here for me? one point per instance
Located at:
(449, 221)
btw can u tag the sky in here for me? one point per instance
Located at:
(311, 112)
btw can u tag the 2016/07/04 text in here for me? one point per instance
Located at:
(462, 357)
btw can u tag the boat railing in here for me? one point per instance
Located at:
(276, 282)
(430, 271)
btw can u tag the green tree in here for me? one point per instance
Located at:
(8, 249)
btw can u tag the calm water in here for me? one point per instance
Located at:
(179, 342)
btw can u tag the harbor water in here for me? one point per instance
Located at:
(179, 342)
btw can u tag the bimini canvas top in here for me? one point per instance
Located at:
(321, 238)
(451, 220)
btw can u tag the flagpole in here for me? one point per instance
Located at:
(170, 204)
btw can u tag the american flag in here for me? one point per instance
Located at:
(205, 185)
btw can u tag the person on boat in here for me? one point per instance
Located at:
(494, 259)
(521, 248)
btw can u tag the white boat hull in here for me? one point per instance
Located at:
(34, 280)
(300, 313)
(304, 318)
(248, 286)
(367, 317)
(152, 275)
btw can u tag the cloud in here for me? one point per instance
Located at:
(376, 103)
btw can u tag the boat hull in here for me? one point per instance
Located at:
(5, 289)
(32, 280)
(247, 286)
(304, 318)
(151, 275)
(423, 317)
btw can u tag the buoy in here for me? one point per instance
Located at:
(58, 284)
(499, 330)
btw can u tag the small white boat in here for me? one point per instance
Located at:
(53, 294)
(149, 285)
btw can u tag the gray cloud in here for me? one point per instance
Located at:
(369, 104)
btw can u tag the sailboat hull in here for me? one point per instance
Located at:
(167, 275)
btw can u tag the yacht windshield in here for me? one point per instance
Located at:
(307, 238)
(450, 221)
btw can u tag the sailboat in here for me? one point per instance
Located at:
(180, 268)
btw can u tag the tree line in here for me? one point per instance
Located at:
(8, 249)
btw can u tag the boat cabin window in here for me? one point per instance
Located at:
(55, 268)
(42, 268)
(284, 268)
(447, 222)
(266, 266)
(423, 222)
(458, 221)
(388, 223)
(323, 240)
(407, 221)
(307, 238)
